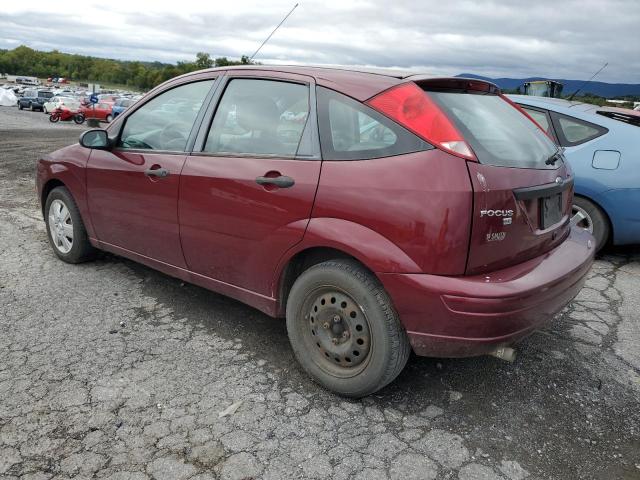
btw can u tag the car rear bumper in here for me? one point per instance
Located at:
(474, 315)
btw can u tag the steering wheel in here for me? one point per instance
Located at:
(172, 132)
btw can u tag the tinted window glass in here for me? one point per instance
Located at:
(259, 117)
(576, 131)
(349, 130)
(539, 117)
(165, 122)
(498, 133)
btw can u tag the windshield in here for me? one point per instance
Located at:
(498, 133)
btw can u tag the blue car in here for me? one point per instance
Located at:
(121, 105)
(602, 146)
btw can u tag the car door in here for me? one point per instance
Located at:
(248, 187)
(133, 188)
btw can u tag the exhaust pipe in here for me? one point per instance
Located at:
(507, 354)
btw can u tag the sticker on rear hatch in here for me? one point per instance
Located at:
(496, 236)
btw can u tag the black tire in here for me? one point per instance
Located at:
(596, 219)
(109, 118)
(385, 345)
(54, 117)
(81, 249)
(30, 107)
(78, 118)
(20, 106)
(44, 110)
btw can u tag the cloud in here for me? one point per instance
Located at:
(558, 39)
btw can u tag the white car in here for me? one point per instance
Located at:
(57, 101)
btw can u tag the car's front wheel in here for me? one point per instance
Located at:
(65, 229)
(588, 216)
(344, 330)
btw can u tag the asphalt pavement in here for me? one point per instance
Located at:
(111, 370)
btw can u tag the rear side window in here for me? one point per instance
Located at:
(350, 130)
(498, 133)
(573, 131)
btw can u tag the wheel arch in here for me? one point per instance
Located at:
(46, 190)
(301, 261)
(604, 211)
(334, 238)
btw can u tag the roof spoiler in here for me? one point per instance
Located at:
(456, 84)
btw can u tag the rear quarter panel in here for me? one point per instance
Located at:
(419, 203)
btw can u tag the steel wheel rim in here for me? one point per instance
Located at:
(580, 218)
(61, 226)
(336, 332)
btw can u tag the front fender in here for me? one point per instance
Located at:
(67, 166)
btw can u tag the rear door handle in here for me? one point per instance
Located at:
(282, 181)
(156, 172)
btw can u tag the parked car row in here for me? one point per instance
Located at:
(55, 100)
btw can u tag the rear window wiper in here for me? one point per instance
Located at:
(553, 158)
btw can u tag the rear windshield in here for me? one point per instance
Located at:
(498, 133)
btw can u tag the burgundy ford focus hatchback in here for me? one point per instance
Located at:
(379, 212)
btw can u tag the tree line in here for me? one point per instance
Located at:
(26, 61)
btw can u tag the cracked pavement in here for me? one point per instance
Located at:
(111, 370)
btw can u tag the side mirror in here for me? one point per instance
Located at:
(97, 139)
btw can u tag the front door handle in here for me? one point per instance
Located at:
(157, 172)
(282, 181)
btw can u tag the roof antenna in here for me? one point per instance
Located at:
(592, 77)
(274, 31)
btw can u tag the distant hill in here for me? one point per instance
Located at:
(602, 89)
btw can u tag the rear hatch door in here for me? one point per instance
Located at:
(523, 188)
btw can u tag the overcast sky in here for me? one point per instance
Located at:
(511, 38)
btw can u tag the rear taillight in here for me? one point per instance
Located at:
(408, 105)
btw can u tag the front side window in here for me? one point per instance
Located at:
(259, 117)
(350, 130)
(574, 132)
(165, 121)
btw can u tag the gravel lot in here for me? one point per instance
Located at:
(112, 370)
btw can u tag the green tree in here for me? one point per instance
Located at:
(204, 60)
(23, 60)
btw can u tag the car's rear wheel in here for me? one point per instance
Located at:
(65, 229)
(109, 118)
(44, 109)
(588, 216)
(344, 330)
